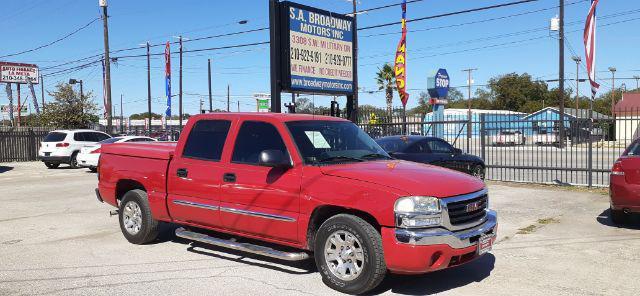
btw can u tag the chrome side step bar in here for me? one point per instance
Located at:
(245, 247)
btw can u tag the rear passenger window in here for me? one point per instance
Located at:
(253, 138)
(79, 137)
(206, 139)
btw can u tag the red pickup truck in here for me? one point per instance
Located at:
(319, 185)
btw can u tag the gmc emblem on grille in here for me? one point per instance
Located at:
(474, 206)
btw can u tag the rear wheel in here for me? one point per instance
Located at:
(136, 222)
(618, 216)
(73, 160)
(51, 165)
(348, 253)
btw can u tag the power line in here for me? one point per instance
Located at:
(52, 42)
(450, 14)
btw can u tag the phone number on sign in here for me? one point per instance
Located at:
(307, 55)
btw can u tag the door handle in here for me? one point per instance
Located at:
(229, 177)
(182, 173)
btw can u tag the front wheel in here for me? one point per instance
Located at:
(478, 172)
(136, 222)
(348, 253)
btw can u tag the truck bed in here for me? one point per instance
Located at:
(154, 150)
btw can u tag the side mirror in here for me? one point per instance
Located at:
(274, 159)
(457, 151)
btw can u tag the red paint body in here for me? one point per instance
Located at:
(624, 181)
(370, 187)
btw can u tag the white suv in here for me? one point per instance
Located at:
(62, 146)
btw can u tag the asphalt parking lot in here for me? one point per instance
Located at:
(57, 239)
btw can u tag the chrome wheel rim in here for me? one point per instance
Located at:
(132, 217)
(478, 172)
(344, 255)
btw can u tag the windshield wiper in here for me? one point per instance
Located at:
(376, 155)
(339, 158)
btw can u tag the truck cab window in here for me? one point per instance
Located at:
(253, 138)
(206, 139)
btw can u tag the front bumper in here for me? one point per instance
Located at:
(88, 160)
(425, 250)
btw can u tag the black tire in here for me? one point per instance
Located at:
(51, 165)
(73, 160)
(618, 217)
(374, 267)
(148, 230)
(93, 169)
(478, 171)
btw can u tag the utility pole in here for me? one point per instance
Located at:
(613, 89)
(149, 86)
(469, 120)
(121, 117)
(42, 92)
(180, 86)
(228, 100)
(210, 95)
(238, 101)
(201, 110)
(19, 106)
(637, 78)
(577, 59)
(107, 66)
(561, 74)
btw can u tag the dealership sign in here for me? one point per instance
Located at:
(4, 109)
(18, 73)
(319, 45)
(438, 84)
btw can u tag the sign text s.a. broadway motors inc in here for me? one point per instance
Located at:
(18, 73)
(321, 51)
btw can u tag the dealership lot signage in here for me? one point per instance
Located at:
(19, 73)
(317, 48)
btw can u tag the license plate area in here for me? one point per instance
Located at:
(47, 153)
(485, 243)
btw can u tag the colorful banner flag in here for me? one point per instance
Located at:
(401, 57)
(590, 47)
(167, 75)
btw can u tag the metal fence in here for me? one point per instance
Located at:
(20, 143)
(529, 148)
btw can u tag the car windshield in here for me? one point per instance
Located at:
(110, 140)
(325, 142)
(55, 137)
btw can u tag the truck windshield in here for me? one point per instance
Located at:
(326, 142)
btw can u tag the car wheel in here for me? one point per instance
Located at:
(348, 253)
(136, 222)
(478, 171)
(618, 216)
(73, 160)
(93, 169)
(52, 165)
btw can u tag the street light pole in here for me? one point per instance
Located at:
(561, 71)
(469, 121)
(613, 88)
(210, 95)
(577, 59)
(149, 85)
(637, 78)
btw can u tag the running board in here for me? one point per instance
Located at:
(245, 247)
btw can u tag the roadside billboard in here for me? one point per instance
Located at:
(319, 47)
(4, 109)
(19, 73)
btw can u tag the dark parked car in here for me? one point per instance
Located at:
(431, 150)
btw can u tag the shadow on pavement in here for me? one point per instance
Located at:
(604, 219)
(4, 169)
(439, 281)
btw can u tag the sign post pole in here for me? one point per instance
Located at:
(19, 106)
(274, 26)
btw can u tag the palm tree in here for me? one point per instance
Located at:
(385, 78)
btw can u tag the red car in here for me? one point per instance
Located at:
(624, 184)
(316, 186)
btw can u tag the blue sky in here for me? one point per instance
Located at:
(512, 39)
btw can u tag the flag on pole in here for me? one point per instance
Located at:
(400, 61)
(590, 47)
(167, 75)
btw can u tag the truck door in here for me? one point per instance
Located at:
(194, 177)
(256, 199)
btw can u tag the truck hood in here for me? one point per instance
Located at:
(411, 177)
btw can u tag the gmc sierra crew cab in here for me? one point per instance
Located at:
(317, 185)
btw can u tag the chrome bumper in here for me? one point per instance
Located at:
(440, 236)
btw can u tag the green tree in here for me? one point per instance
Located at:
(515, 92)
(386, 80)
(423, 105)
(69, 110)
(145, 115)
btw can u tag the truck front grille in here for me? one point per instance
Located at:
(467, 211)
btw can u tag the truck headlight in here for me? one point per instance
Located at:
(418, 211)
